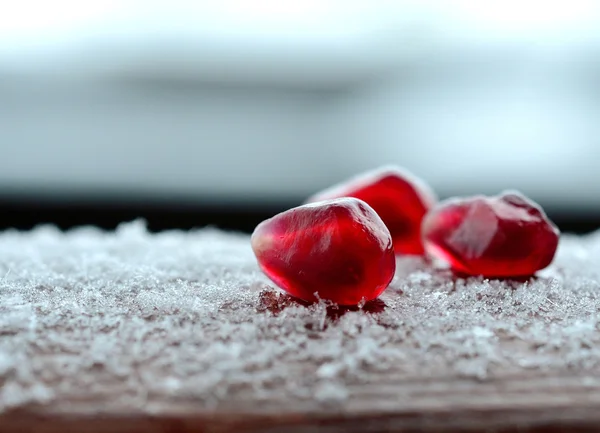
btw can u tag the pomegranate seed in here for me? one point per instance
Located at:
(338, 248)
(500, 236)
(400, 199)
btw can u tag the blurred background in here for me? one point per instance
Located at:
(225, 112)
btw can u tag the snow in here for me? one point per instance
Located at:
(128, 319)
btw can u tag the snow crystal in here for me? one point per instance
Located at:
(128, 318)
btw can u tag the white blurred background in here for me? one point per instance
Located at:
(267, 101)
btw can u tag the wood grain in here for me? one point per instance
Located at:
(519, 404)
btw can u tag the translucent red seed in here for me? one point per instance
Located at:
(400, 199)
(507, 235)
(339, 249)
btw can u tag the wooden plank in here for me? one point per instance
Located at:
(454, 406)
(179, 332)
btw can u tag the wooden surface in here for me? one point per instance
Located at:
(133, 332)
(518, 405)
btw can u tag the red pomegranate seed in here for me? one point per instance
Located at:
(500, 236)
(338, 248)
(400, 199)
